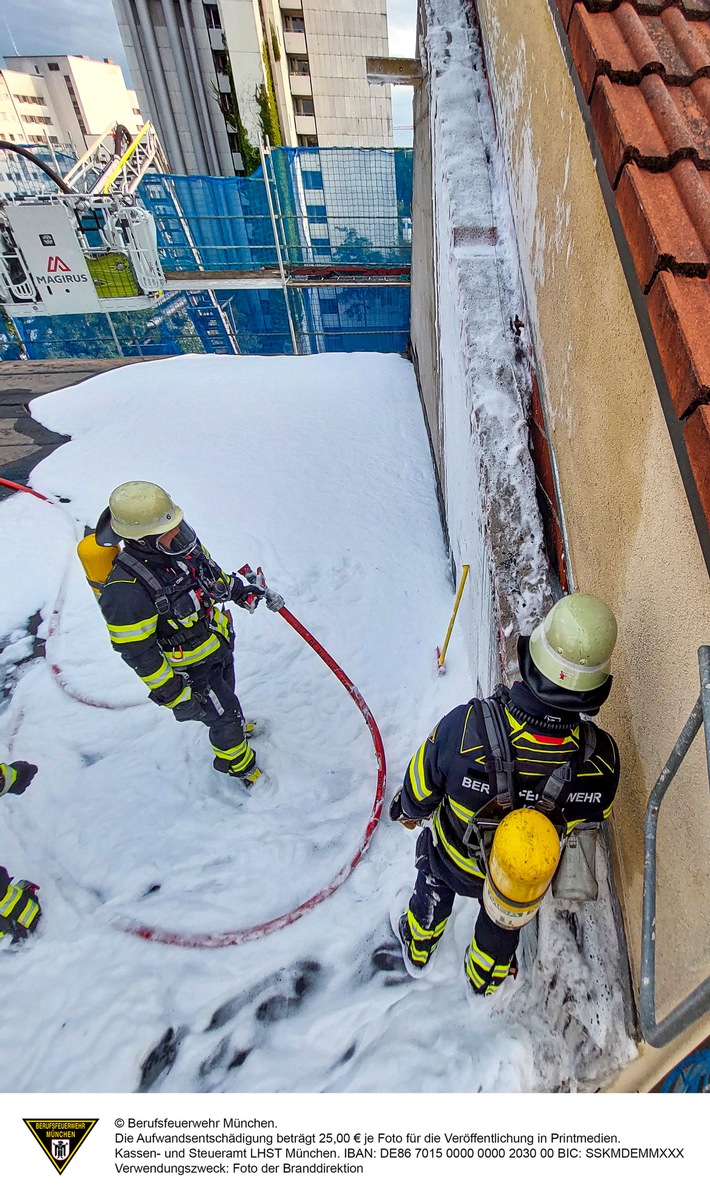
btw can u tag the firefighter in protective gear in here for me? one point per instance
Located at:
(163, 602)
(19, 909)
(451, 781)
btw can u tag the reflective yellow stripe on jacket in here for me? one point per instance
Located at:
(182, 658)
(417, 775)
(133, 632)
(465, 863)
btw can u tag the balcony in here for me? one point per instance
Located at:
(305, 125)
(292, 5)
(300, 85)
(294, 43)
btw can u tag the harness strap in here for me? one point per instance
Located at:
(499, 758)
(162, 594)
(500, 766)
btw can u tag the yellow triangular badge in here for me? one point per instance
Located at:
(60, 1138)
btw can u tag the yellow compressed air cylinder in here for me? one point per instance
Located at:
(96, 561)
(523, 859)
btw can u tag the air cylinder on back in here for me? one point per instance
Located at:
(522, 862)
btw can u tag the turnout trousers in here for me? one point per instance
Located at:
(213, 683)
(492, 948)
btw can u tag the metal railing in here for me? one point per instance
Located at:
(697, 1003)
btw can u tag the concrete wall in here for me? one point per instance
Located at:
(349, 110)
(630, 533)
(465, 354)
(424, 320)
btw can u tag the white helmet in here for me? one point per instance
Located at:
(572, 646)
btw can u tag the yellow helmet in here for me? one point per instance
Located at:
(572, 646)
(139, 509)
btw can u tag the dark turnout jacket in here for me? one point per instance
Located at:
(157, 645)
(447, 779)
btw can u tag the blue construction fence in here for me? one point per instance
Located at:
(243, 321)
(331, 207)
(18, 176)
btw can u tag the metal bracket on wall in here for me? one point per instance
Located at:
(394, 70)
(697, 1003)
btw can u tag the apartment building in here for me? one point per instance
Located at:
(64, 100)
(217, 76)
(26, 116)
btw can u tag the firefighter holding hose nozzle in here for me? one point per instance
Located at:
(500, 783)
(163, 598)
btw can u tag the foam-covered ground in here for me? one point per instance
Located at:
(318, 469)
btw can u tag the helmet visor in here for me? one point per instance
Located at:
(181, 543)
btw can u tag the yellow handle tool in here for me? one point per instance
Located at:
(441, 655)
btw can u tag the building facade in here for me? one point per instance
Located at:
(66, 100)
(217, 77)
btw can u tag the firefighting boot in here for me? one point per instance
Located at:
(417, 946)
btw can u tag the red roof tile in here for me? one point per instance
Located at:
(651, 124)
(645, 70)
(693, 9)
(679, 309)
(697, 440)
(626, 45)
(666, 220)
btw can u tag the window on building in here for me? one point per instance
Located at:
(316, 212)
(75, 103)
(293, 23)
(307, 140)
(298, 66)
(54, 140)
(212, 18)
(330, 314)
(53, 66)
(303, 106)
(312, 180)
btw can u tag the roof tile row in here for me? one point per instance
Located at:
(625, 46)
(692, 9)
(651, 124)
(644, 68)
(666, 219)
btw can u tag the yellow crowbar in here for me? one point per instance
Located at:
(441, 655)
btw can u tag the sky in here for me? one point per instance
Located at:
(89, 27)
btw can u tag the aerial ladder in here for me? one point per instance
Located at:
(91, 246)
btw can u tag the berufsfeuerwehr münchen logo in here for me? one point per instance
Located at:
(60, 1139)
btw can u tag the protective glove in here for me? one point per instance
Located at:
(397, 814)
(189, 710)
(24, 775)
(19, 910)
(274, 601)
(246, 596)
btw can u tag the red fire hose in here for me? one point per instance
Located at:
(233, 938)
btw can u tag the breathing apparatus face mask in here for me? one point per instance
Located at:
(183, 543)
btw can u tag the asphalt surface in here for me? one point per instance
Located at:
(23, 441)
